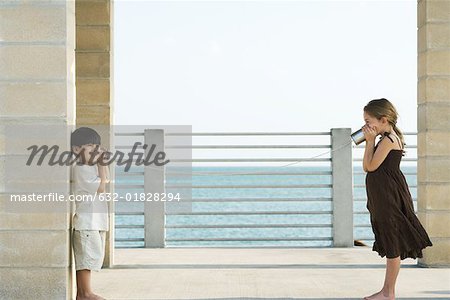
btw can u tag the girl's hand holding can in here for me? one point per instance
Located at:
(369, 133)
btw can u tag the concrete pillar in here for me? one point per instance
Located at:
(154, 184)
(342, 166)
(434, 128)
(94, 81)
(37, 80)
(94, 62)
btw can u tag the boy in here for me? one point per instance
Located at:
(90, 221)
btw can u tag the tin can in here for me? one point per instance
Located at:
(358, 136)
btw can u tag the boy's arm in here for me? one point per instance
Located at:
(85, 181)
(103, 173)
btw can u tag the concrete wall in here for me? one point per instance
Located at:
(37, 80)
(434, 127)
(94, 80)
(94, 62)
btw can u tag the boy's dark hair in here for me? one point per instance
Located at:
(84, 135)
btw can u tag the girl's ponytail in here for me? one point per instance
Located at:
(400, 135)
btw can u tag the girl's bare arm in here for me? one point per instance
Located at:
(372, 160)
(368, 154)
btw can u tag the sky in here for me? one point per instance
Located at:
(239, 66)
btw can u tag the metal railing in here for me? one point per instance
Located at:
(330, 208)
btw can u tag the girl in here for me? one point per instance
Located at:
(398, 232)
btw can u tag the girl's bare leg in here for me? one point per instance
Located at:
(388, 290)
(392, 270)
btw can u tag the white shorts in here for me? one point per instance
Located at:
(88, 249)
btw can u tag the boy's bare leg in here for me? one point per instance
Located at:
(388, 290)
(84, 291)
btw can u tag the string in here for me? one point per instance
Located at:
(251, 173)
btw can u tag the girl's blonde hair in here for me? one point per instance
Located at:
(379, 108)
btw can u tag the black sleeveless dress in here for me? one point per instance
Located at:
(397, 230)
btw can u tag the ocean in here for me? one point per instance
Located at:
(239, 235)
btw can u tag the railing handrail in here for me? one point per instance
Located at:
(237, 133)
(335, 173)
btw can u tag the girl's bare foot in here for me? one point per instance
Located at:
(381, 295)
(371, 297)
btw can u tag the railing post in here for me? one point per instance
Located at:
(342, 169)
(154, 183)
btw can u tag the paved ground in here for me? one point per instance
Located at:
(274, 273)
